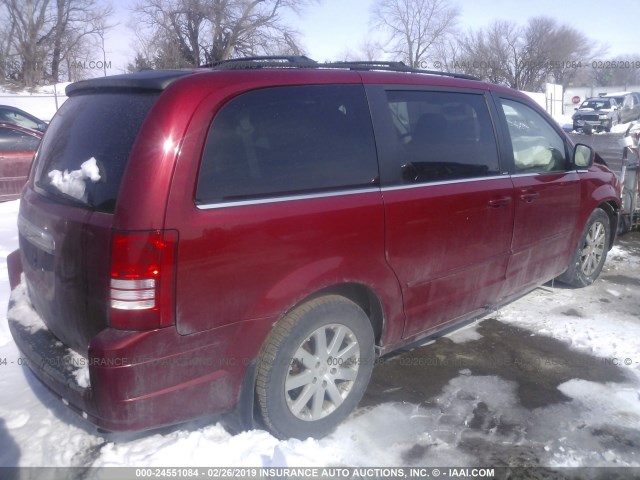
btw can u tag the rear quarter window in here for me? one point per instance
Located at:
(285, 141)
(100, 126)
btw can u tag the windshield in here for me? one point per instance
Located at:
(17, 118)
(85, 150)
(596, 104)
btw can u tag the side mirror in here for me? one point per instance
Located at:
(583, 156)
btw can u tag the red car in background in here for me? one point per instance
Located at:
(17, 147)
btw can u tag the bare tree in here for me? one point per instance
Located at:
(620, 72)
(5, 25)
(415, 27)
(44, 32)
(74, 63)
(569, 51)
(145, 53)
(447, 54)
(196, 32)
(101, 26)
(7, 29)
(525, 57)
(28, 18)
(176, 27)
(491, 53)
(368, 50)
(76, 22)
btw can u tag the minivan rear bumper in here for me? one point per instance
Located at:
(139, 380)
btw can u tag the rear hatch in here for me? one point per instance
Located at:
(66, 213)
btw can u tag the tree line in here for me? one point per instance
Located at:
(42, 41)
(426, 34)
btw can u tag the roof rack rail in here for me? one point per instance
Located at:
(393, 67)
(301, 61)
(294, 61)
(368, 64)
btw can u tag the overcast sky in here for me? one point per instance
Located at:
(334, 26)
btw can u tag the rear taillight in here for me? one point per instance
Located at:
(142, 279)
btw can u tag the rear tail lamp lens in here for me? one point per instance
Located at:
(143, 279)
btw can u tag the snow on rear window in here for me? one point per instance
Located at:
(73, 183)
(99, 128)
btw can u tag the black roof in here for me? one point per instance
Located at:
(143, 80)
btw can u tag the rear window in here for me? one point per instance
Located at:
(85, 150)
(289, 140)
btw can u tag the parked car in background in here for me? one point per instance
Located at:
(628, 105)
(597, 113)
(14, 115)
(250, 237)
(17, 147)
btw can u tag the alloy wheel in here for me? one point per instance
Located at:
(593, 249)
(322, 372)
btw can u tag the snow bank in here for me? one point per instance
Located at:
(42, 102)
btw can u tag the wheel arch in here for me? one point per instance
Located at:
(245, 417)
(612, 210)
(361, 295)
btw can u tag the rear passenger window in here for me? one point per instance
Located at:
(537, 147)
(443, 136)
(289, 140)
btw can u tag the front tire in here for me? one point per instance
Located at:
(589, 257)
(314, 368)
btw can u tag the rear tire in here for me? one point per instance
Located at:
(314, 368)
(590, 254)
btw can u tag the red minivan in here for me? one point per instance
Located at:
(247, 238)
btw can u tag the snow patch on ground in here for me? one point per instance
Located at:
(619, 128)
(613, 403)
(594, 328)
(466, 334)
(617, 255)
(472, 414)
